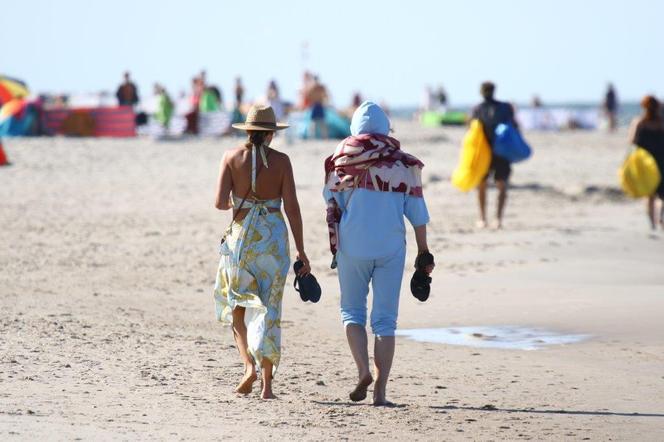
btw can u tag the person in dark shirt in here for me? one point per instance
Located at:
(127, 93)
(491, 113)
(647, 132)
(611, 107)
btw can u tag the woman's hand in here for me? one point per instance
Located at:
(306, 268)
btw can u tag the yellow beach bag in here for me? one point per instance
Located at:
(474, 159)
(639, 174)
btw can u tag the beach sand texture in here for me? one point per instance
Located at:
(107, 329)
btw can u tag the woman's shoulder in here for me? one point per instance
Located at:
(234, 153)
(278, 157)
(649, 124)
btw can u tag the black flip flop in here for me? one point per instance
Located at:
(420, 283)
(309, 289)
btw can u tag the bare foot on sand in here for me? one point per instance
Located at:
(383, 403)
(481, 224)
(267, 394)
(247, 382)
(379, 396)
(360, 392)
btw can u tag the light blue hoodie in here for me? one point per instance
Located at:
(372, 223)
(369, 118)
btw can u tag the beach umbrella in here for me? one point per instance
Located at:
(16, 118)
(12, 88)
(12, 108)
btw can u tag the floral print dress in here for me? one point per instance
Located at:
(252, 273)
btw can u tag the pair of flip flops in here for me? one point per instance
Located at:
(307, 286)
(420, 283)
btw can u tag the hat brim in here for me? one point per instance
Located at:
(260, 126)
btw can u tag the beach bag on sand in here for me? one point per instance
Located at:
(639, 175)
(509, 144)
(474, 159)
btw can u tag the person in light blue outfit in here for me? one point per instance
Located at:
(371, 247)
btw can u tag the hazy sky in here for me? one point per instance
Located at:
(562, 50)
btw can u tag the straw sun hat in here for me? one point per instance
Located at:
(260, 118)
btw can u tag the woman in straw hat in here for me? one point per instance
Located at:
(253, 181)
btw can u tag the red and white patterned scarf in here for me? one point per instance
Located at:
(372, 162)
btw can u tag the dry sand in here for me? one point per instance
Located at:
(108, 257)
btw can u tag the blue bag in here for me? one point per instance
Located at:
(509, 144)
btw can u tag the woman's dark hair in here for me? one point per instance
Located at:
(256, 137)
(651, 108)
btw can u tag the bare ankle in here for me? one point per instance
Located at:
(267, 393)
(379, 395)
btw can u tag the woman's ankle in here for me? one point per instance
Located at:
(364, 375)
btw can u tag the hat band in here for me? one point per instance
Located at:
(264, 125)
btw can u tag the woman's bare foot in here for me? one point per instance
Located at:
(247, 382)
(382, 403)
(481, 224)
(379, 399)
(360, 392)
(267, 394)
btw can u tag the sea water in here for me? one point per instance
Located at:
(504, 337)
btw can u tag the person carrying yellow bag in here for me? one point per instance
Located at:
(640, 175)
(474, 159)
(478, 160)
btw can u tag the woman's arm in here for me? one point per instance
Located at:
(292, 209)
(224, 185)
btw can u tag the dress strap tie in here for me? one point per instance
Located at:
(253, 164)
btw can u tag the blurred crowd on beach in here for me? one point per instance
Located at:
(205, 109)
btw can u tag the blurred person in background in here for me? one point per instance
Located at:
(127, 93)
(318, 98)
(307, 84)
(273, 99)
(441, 99)
(239, 93)
(355, 102)
(611, 107)
(647, 132)
(491, 113)
(237, 116)
(197, 87)
(164, 111)
(209, 101)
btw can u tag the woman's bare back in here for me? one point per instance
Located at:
(269, 180)
(272, 182)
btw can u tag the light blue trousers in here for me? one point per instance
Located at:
(385, 275)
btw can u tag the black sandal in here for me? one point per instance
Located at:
(309, 289)
(420, 283)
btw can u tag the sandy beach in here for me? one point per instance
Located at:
(107, 328)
